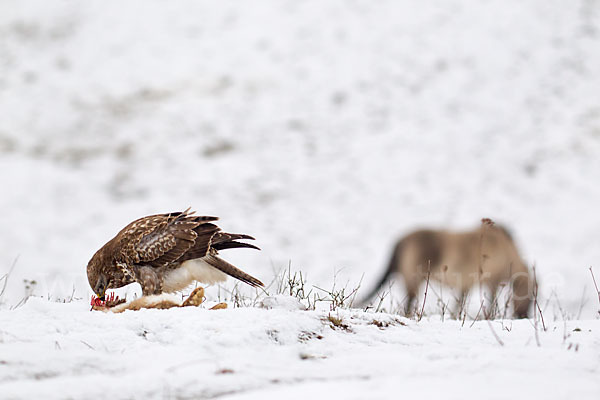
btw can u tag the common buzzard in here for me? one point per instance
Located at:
(166, 253)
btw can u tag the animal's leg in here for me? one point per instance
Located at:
(493, 309)
(149, 281)
(522, 294)
(412, 280)
(195, 298)
(411, 297)
(409, 307)
(414, 273)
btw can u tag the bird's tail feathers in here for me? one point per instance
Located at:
(233, 271)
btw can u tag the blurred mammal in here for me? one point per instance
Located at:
(461, 260)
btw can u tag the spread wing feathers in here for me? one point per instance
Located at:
(164, 238)
(230, 270)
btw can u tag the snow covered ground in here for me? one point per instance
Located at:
(326, 129)
(251, 353)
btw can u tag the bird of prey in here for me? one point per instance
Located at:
(166, 253)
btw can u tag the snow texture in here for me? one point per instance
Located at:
(325, 129)
(251, 353)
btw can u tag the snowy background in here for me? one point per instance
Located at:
(324, 129)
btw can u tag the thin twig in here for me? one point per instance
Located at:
(494, 333)
(478, 312)
(595, 284)
(426, 287)
(485, 223)
(583, 302)
(535, 298)
(381, 296)
(88, 345)
(6, 275)
(535, 319)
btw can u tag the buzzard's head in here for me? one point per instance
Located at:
(99, 284)
(97, 278)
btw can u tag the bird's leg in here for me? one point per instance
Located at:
(149, 280)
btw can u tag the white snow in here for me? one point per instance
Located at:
(279, 353)
(325, 129)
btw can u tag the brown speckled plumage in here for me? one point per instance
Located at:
(150, 248)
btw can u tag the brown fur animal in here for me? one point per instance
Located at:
(461, 260)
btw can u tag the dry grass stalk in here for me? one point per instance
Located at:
(4, 278)
(535, 299)
(595, 285)
(426, 288)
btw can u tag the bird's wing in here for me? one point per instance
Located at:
(205, 233)
(158, 240)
